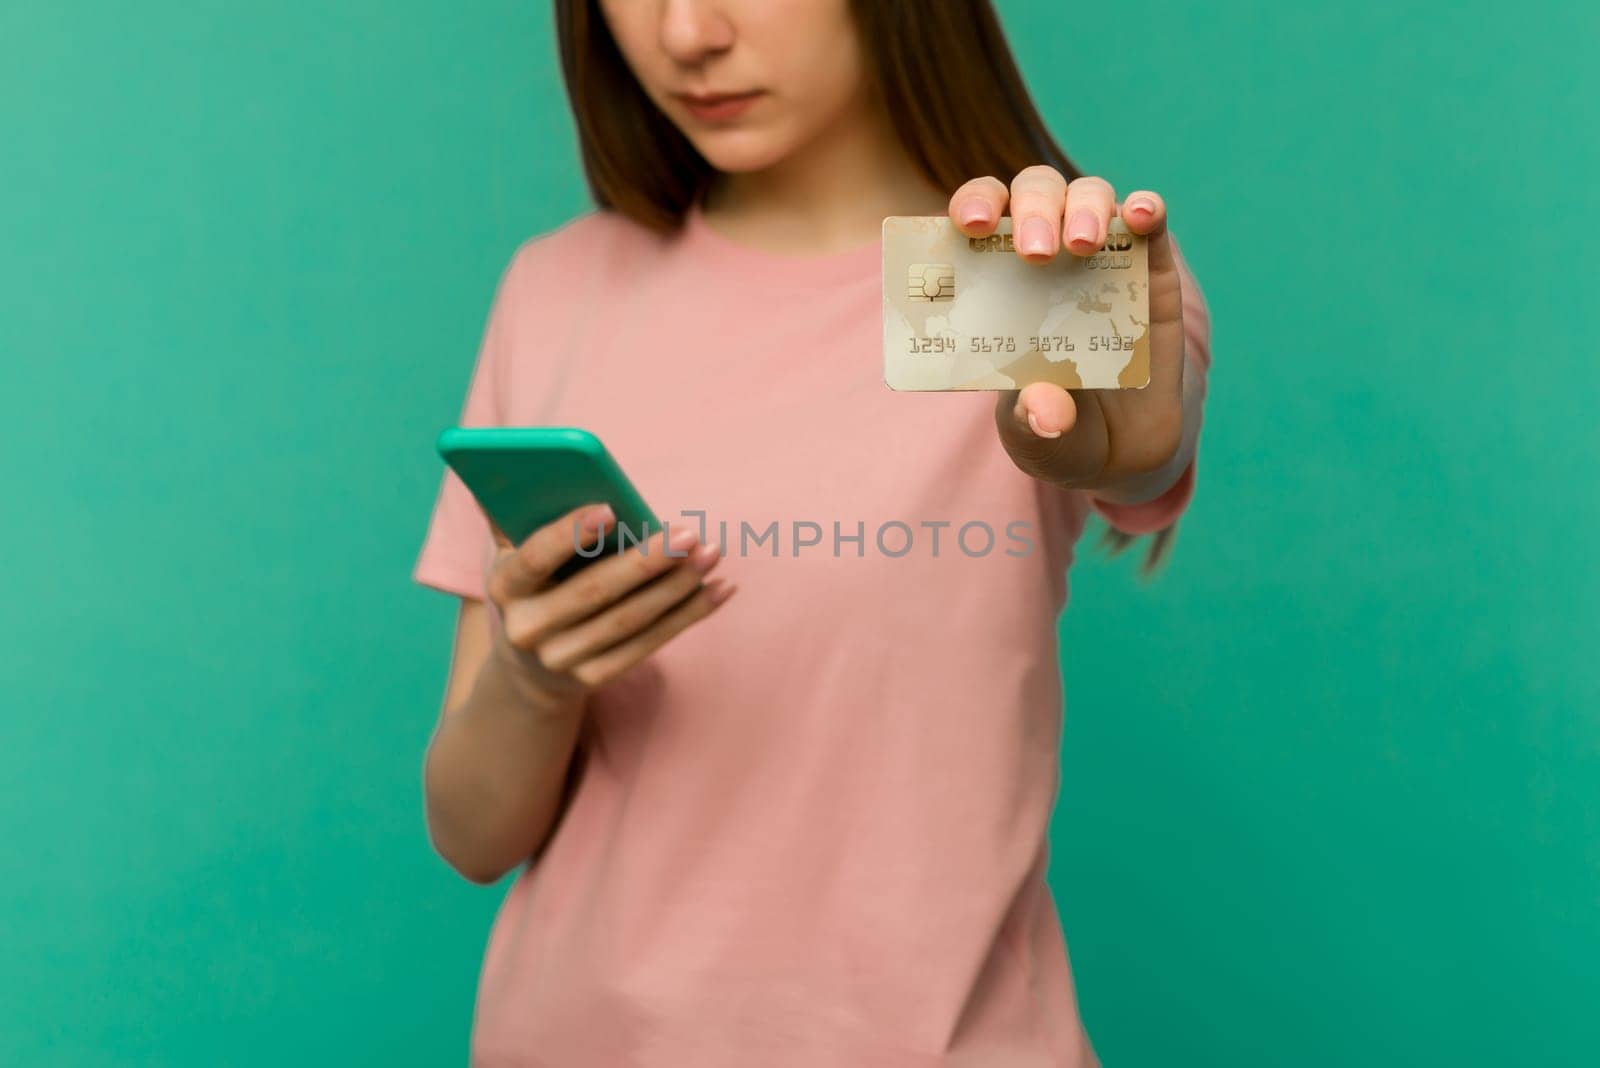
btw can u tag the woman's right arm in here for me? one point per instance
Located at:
(496, 767)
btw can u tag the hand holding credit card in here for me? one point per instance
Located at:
(1068, 304)
(968, 313)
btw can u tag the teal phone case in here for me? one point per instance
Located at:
(525, 477)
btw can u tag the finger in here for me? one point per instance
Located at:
(1040, 412)
(1037, 196)
(630, 615)
(1090, 202)
(596, 588)
(1044, 410)
(522, 569)
(976, 207)
(601, 669)
(1146, 213)
(1055, 457)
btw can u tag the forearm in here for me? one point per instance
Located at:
(1148, 485)
(494, 774)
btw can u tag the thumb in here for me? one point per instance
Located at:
(1041, 410)
(1031, 422)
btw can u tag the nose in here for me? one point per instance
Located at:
(692, 30)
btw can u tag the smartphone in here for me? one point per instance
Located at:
(526, 476)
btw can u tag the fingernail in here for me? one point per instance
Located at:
(1033, 424)
(1083, 227)
(719, 590)
(1035, 239)
(705, 557)
(973, 211)
(1139, 206)
(679, 541)
(597, 518)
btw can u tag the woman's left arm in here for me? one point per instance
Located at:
(1123, 446)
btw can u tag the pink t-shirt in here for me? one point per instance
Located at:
(811, 830)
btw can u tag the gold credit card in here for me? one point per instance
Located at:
(969, 313)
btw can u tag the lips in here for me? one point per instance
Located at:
(712, 99)
(719, 108)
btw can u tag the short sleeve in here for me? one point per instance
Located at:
(1147, 517)
(458, 546)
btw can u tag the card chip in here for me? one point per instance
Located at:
(931, 281)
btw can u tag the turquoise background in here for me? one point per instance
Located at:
(1332, 790)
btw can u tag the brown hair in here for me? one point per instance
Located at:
(943, 71)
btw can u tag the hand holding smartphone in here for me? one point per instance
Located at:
(546, 490)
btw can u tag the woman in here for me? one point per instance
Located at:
(806, 826)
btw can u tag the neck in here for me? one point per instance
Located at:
(827, 196)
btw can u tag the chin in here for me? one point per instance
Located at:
(741, 152)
